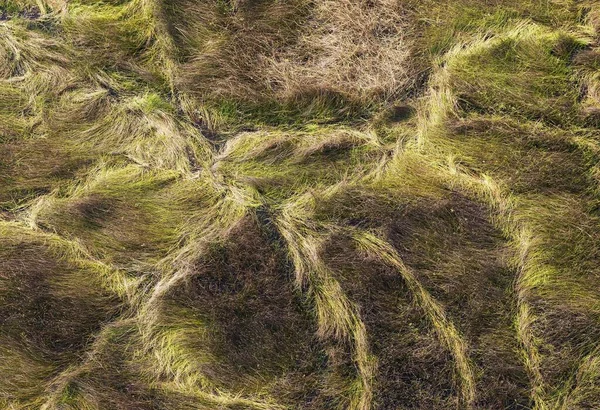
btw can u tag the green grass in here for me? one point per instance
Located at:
(257, 204)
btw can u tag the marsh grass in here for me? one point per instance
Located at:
(258, 204)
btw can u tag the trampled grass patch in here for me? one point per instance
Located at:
(257, 204)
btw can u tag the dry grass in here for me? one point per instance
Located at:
(258, 204)
(358, 49)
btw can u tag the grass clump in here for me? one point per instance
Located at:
(123, 216)
(280, 164)
(52, 304)
(524, 73)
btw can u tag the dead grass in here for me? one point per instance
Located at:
(52, 305)
(358, 49)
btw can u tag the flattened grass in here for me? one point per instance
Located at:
(267, 205)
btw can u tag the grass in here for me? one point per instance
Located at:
(257, 204)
